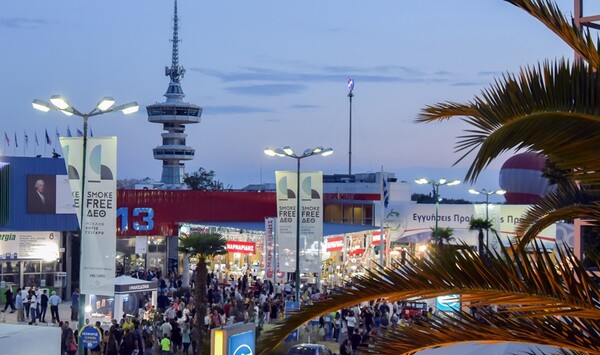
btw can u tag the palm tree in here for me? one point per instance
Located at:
(203, 247)
(480, 224)
(441, 235)
(552, 108)
(539, 297)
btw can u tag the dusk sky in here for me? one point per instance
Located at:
(268, 73)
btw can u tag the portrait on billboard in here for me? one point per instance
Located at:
(41, 194)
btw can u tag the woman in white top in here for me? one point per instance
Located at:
(33, 308)
(350, 323)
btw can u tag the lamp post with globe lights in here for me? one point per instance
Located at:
(287, 151)
(104, 106)
(487, 204)
(436, 192)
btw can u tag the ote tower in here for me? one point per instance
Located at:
(174, 114)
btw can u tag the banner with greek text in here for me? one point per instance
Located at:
(269, 252)
(98, 233)
(311, 219)
(286, 219)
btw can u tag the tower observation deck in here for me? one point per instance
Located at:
(174, 114)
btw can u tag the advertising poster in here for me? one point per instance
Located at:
(98, 232)
(311, 219)
(49, 194)
(29, 245)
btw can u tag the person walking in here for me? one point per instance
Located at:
(19, 306)
(54, 301)
(33, 303)
(43, 306)
(10, 300)
(25, 295)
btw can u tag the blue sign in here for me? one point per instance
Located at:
(292, 306)
(241, 343)
(90, 337)
(293, 336)
(449, 303)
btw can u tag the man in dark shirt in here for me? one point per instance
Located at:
(355, 339)
(43, 306)
(162, 302)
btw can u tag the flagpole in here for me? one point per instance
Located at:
(350, 96)
(381, 231)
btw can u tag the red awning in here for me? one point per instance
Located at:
(356, 252)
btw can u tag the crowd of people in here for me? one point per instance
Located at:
(169, 325)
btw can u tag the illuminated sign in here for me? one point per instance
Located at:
(335, 244)
(240, 247)
(29, 245)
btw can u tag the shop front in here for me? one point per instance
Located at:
(31, 259)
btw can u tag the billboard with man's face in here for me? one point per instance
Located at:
(49, 194)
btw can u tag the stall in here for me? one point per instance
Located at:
(128, 298)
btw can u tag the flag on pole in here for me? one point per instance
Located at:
(26, 139)
(386, 193)
(16, 142)
(91, 132)
(69, 132)
(37, 143)
(57, 134)
(6, 139)
(48, 141)
(350, 84)
(79, 133)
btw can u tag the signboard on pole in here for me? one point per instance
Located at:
(269, 252)
(311, 219)
(98, 232)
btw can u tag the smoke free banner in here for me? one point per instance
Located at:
(311, 219)
(98, 234)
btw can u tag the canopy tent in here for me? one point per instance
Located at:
(126, 288)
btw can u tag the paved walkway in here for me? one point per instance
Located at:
(64, 312)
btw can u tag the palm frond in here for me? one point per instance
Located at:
(548, 13)
(551, 108)
(513, 278)
(578, 335)
(567, 201)
(205, 245)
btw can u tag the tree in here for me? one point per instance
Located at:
(203, 180)
(480, 224)
(552, 108)
(203, 247)
(441, 235)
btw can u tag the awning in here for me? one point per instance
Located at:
(356, 252)
(328, 228)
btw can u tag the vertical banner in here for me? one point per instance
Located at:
(311, 222)
(269, 251)
(311, 219)
(286, 182)
(98, 232)
(73, 153)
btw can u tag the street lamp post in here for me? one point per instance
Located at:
(105, 105)
(436, 192)
(289, 152)
(487, 203)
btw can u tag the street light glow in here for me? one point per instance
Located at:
(59, 102)
(287, 151)
(40, 105)
(436, 191)
(105, 103)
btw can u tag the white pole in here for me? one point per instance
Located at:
(382, 245)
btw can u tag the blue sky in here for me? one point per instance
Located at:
(269, 73)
